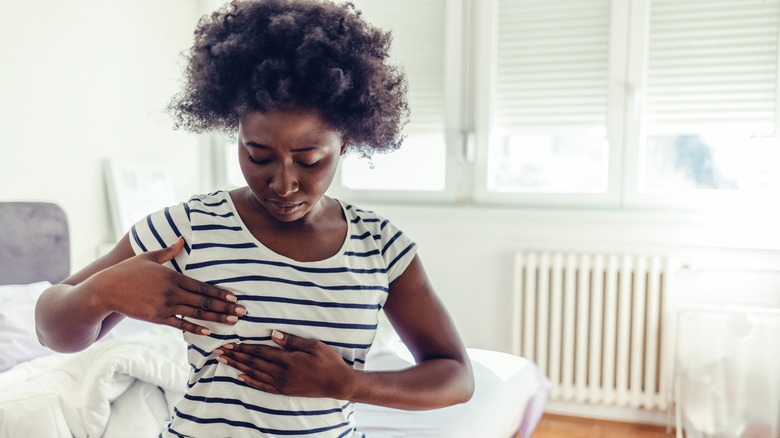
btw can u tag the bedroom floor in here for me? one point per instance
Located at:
(559, 426)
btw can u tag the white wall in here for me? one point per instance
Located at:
(468, 253)
(83, 80)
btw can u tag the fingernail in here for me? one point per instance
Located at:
(276, 334)
(231, 298)
(221, 360)
(232, 318)
(241, 311)
(240, 379)
(205, 331)
(218, 352)
(228, 346)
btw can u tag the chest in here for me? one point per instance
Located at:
(336, 303)
(304, 245)
(319, 235)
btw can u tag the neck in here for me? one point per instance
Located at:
(311, 217)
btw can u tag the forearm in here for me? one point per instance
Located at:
(431, 384)
(68, 318)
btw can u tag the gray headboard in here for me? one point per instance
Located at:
(34, 243)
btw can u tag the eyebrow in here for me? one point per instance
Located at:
(262, 146)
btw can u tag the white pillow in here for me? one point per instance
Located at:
(18, 341)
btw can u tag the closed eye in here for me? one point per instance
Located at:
(263, 161)
(300, 163)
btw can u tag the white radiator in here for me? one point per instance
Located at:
(592, 322)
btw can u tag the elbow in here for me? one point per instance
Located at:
(53, 345)
(48, 342)
(60, 346)
(40, 329)
(467, 386)
(470, 389)
(54, 334)
(462, 383)
(462, 386)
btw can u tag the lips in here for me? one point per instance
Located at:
(283, 208)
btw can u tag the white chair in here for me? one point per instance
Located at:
(727, 372)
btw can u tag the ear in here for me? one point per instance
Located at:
(344, 147)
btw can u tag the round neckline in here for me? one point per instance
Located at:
(256, 241)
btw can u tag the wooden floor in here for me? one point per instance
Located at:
(558, 426)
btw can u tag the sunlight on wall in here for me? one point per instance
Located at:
(83, 80)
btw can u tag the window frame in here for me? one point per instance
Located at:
(680, 200)
(455, 85)
(469, 87)
(485, 78)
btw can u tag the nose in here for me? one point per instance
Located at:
(283, 180)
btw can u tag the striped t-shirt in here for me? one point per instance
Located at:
(335, 300)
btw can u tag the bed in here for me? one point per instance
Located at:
(125, 385)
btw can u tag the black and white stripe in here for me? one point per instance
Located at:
(334, 300)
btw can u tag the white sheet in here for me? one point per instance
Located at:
(126, 387)
(18, 340)
(509, 397)
(98, 392)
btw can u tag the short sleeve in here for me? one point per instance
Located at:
(398, 249)
(161, 229)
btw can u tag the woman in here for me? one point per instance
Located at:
(276, 286)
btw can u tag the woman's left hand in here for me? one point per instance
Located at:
(301, 368)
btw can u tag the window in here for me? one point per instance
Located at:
(420, 38)
(611, 103)
(549, 122)
(711, 89)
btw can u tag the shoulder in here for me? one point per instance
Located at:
(208, 204)
(364, 218)
(395, 247)
(162, 228)
(215, 201)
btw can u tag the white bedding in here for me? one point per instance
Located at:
(121, 387)
(18, 341)
(125, 387)
(510, 395)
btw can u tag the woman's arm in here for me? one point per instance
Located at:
(443, 375)
(309, 368)
(71, 315)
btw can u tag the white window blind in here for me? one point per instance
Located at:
(551, 96)
(634, 103)
(418, 30)
(712, 63)
(551, 64)
(711, 96)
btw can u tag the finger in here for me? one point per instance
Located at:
(262, 386)
(230, 311)
(203, 315)
(184, 325)
(265, 352)
(259, 357)
(209, 297)
(257, 369)
(292, 342)
(167, 254)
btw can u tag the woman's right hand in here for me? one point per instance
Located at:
(141, 288)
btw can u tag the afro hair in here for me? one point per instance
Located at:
(313, 55)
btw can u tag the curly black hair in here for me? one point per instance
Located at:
(314, 55)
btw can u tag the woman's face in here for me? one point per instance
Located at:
(288, 159)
